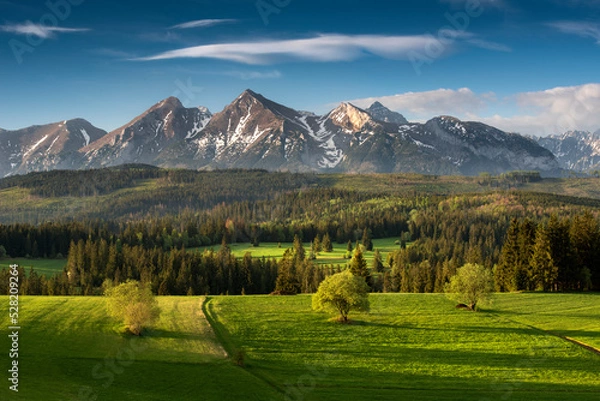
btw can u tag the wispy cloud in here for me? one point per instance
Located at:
(41, 31)
(204, 23)
(583, 29)
(486, 44)
(322, 48)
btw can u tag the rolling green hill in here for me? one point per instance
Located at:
(411, 346)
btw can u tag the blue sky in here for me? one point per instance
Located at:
(530, 67)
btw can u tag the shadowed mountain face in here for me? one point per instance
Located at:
(255, 132)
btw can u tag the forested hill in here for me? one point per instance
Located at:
(137, 222)
(134, 191)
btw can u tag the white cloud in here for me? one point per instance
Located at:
(540, 113)
(554, 111)
(424, 105)
(203, 23)
(584, 29)
(322, 48)
(41, 31)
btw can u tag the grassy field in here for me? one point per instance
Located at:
(273, 250)
(411, 346)
(417, 346)
(47, 267)
(70, 350)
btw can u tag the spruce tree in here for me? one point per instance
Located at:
(542, 268)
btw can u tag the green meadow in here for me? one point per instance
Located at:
(47, 267)
(410, 346)
(337, 256)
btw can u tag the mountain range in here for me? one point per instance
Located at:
(255, 132)
(575, 150)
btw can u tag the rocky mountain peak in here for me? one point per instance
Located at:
(381, 113)
(350, 117)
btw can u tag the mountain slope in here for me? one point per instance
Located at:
(575, 150)
(45, 147)
(143, 139)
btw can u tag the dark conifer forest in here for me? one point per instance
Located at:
(145, 222)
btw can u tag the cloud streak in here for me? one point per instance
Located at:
(583, 29)
(322, 48)
(204, 23)
(41, 31)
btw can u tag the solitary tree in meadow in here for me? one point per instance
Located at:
(471, 285)
(133, 304)
(342, 293)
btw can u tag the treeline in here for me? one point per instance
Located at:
(92, 265)
(58, 183)
(444, 233)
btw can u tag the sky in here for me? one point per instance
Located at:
(531, 67)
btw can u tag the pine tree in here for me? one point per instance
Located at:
(505, 273)
(298, 249)
(543, 270)
(377, 262)
(366, 240)
(316, 245)
(287, 282)
(327, 245)
(358, 266)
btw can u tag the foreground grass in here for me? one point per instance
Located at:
(411, 346)
(416, 346)
(70, 350)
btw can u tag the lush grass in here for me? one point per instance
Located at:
(417, 346)
(337, 256)
(411, 346)
(47, 267)
(570, 315)
(69, 345)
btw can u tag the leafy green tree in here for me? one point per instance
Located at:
(133, 304)
(471, 285)
(342, 293)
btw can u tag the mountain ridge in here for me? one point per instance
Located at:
(256, 132)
